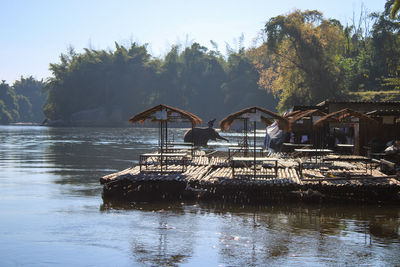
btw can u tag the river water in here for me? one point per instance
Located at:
(52, 214)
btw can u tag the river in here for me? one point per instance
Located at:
(52, 214)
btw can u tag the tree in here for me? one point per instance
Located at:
(241, 88)
(395, 9)
(8, 104)
(31, 108)
(298, 61)
(114, 84)
(386, 48)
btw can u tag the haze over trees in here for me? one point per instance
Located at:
(304, 58)
(22, 102)
(119, 83)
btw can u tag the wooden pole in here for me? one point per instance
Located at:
(245, 142)
(192, 140)
(166, 134)
(162, 145)
(357, 138)
(166, 142)
(254, 145)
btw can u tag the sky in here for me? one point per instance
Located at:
(33, 33)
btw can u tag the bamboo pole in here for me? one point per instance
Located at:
(349, 178)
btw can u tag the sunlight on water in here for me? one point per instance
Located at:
(53, 214)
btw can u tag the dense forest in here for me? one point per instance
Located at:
(301, 58)
(113, 85)
(22, 102)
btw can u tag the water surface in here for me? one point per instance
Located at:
(52, 213)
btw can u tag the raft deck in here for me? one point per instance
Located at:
(212, 177)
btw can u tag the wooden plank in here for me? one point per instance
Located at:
(350, 178)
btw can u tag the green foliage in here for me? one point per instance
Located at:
(375, 96)
(8, 104)
(241, 88)
(395, 9)
(31, 99)
(117, 84)
(357, 72)
(5, 115)
(300, 65)
(307, 58)
(116, 81)
(21, 102)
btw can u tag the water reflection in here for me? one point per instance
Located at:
(291, 234)
(270, 235)
(167, 232)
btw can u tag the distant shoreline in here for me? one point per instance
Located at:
(25, 124)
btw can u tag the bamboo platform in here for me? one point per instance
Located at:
(211, 178)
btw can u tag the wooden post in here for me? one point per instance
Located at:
(357, 138)
(162, 144)
(254, 145)
(166, 143)
(245, 142)
(166, 134)
(192, 140)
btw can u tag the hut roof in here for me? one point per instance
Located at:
(306, 113)
(344, 115)
(165, 113)
(265, 115)
(291, 114)
(384, 112)
(388, 103)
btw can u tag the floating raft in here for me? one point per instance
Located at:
(211, 178)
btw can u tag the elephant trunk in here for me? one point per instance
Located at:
(222, 138)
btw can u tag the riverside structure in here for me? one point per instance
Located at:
(334, 178)
(307, 174)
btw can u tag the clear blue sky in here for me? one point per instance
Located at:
(33, 33)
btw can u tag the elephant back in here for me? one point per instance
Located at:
(187, 137)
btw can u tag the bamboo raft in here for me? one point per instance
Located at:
(211, 178)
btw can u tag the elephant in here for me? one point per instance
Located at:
(202, 135)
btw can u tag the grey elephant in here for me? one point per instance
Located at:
(200, 136)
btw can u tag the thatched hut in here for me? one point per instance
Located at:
(301, 125)
(290, 115)
(388, 127)
(253, 114)
(356, 122)
(164, 114)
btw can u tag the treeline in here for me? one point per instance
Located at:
(110, 86)
(22, 101)
(304, 58)
(307, 58)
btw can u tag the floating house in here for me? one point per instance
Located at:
(315, 174)
(355, 126)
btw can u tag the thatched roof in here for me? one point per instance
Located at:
(251, 113)
(291, 114)
(306, 113)
(344, 115)
(165, 113)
